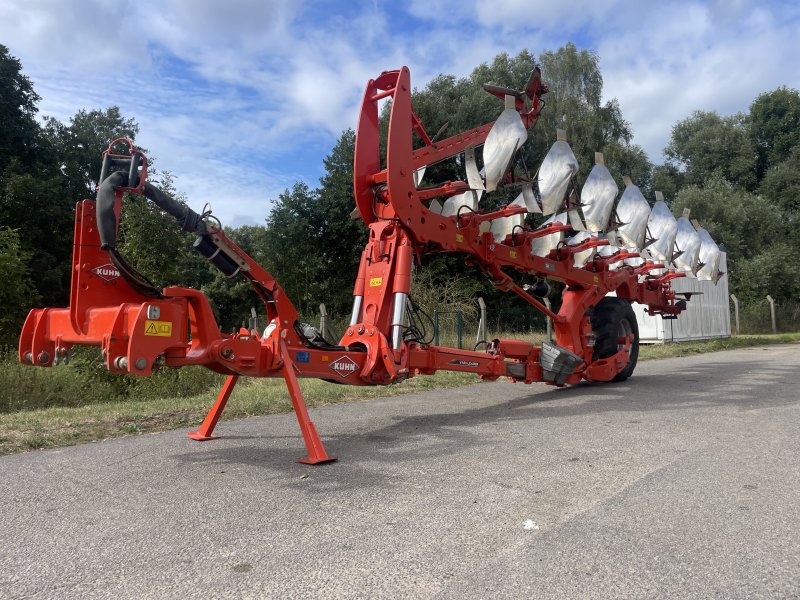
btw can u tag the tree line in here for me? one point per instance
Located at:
(739, 174)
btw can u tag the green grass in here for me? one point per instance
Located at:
(60, 426)
(45, 408)
(648, 352)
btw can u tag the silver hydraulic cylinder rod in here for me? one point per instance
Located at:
(356, 309)
(398, 319)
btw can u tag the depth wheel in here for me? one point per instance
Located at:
(615, 328)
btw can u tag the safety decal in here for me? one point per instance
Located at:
(512, 254)
(303, 357)
(158, 328)
(459, 238)
(376, 282)
(344, 366)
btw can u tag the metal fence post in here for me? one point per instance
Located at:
(772, 313)
(435, 327)
(549, 321)
(459, 328)
(736, 311)
(482, 323)
(325, 323)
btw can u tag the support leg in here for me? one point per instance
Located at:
(204, 433)
(316, 451)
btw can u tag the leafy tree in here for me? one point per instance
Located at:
(630, 159)
(574, 103)
(747, 224)
(774, 123)
(667, 179)
(19, 132)
(232, 298)
(773, 271)
(341, 239)
(79, 146)
(706, 142)
(152, 241)
(295, 260)
(781, 184)
(35, 207)
(17, 294)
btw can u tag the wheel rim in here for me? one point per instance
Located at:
(624, 336)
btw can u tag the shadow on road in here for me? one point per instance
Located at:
(442, 434)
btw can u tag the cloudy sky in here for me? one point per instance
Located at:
(241, 98)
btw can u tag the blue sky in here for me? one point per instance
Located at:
(241, 98)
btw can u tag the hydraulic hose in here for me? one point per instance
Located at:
(107, 226)
(107, 221)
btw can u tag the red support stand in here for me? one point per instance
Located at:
(316, 451)
(204, 433)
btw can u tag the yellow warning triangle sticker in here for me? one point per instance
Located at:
(151, 330)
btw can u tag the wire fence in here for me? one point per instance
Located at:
(455, 329)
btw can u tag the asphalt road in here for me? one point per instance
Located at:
(680, 483)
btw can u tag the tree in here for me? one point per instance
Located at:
(153, 242)
(774, 123)
(295, 258)
(17, 294)
(36, 209)
(773, 271)
(781, 184)
(630, 159)
(341, 239)
(19, 132)
(667, 179)
(574, 103)
(80, 144)
(747, 224)
(706, 142)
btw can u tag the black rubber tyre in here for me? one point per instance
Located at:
(614, 319)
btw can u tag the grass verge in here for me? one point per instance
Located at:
(22, 430)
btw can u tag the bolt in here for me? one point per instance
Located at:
(141, 363)
(227, 352)
(349, 332)
(43, 358)
(121, 363)
(29, 357)
(360, 330)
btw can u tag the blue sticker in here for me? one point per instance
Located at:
(303, 357)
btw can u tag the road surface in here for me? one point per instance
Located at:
(682, 482)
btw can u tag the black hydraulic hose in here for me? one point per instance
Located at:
(188, 219)
(107, 220)
(107, 226)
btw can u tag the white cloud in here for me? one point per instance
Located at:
(683, 58)
(240, 99)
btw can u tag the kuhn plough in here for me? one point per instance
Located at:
(593, 243)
